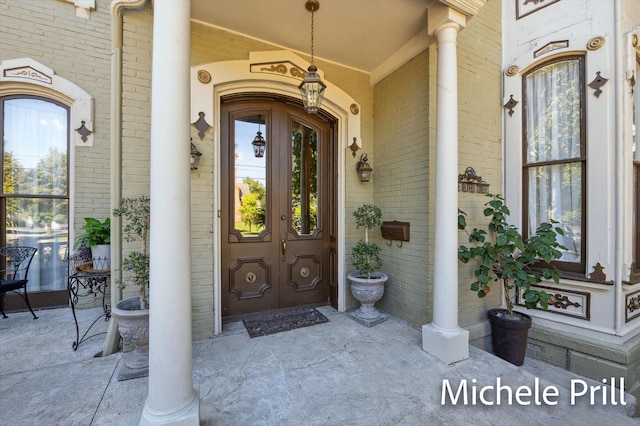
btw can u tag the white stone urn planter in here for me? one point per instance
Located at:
(133, 325)
(368, 291)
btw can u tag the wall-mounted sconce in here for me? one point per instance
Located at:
(363, 168)
(469, 181)
(195, 157)
(258, 144)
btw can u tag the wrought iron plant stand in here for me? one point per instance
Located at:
(88, 277)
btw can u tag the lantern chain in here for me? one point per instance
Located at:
(312, 28)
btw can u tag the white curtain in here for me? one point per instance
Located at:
(553, 134)
(35, 134)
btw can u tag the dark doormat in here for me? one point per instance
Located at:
(283, 321)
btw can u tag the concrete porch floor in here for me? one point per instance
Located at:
(337, 373)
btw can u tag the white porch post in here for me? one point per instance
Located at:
(172, 398)
(443, 337)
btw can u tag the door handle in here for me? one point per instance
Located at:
(283, 246)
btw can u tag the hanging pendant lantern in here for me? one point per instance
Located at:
(312, 88)
(259, 144)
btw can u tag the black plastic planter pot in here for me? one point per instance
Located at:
(509, 334)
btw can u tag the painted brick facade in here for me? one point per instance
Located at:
(399, 141)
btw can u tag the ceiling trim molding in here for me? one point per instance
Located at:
(469, 7)
(403, 55)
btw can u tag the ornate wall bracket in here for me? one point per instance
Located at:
(597, 83)
(510, 105)
(201, 125)
(598, 275)
(354, 147)
(84, 131)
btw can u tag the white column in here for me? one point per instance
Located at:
(443, 337)
(172, 398)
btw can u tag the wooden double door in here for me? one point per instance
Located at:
(278, 211)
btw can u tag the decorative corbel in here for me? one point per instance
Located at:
(84, 131)
(354, 147)
(510, 105)
(597, 83)
(201, 125)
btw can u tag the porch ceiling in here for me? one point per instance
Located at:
(362, 34)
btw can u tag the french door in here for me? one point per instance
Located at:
(34, 198)
(277, 207)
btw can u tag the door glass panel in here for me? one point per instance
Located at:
(41, 223)
(34, 186)
(250, 171)
(304, 178)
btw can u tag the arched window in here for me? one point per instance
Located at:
(554, 154)
(34, 201)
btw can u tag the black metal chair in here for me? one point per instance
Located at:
(14, 277)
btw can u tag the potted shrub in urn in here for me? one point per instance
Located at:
(133, 313)
(504, 256)
(97, 236)
(367, 283)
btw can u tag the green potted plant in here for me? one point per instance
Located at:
(367, 283)
(96, 236)
(505, 257)
(133, 313)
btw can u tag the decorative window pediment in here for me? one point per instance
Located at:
(25, 76)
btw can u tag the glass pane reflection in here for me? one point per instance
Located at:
(250, 183)
(304, 178)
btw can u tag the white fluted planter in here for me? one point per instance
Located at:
(368, 291)
(133, 325)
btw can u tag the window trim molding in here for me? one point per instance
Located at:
(570, 267)
(25, 76)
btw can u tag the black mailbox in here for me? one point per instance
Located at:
(397, 231)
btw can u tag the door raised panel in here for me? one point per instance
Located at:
(249, 278)
(305, 272)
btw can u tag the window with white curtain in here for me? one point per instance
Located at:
(554, 163)
(34, 202)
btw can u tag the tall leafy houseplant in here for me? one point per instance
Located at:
(505, 257)
(135, 213)
(365, 256)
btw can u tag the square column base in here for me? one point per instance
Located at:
(368, 322)
(447, 346)
(188, 415)
(126, 373)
